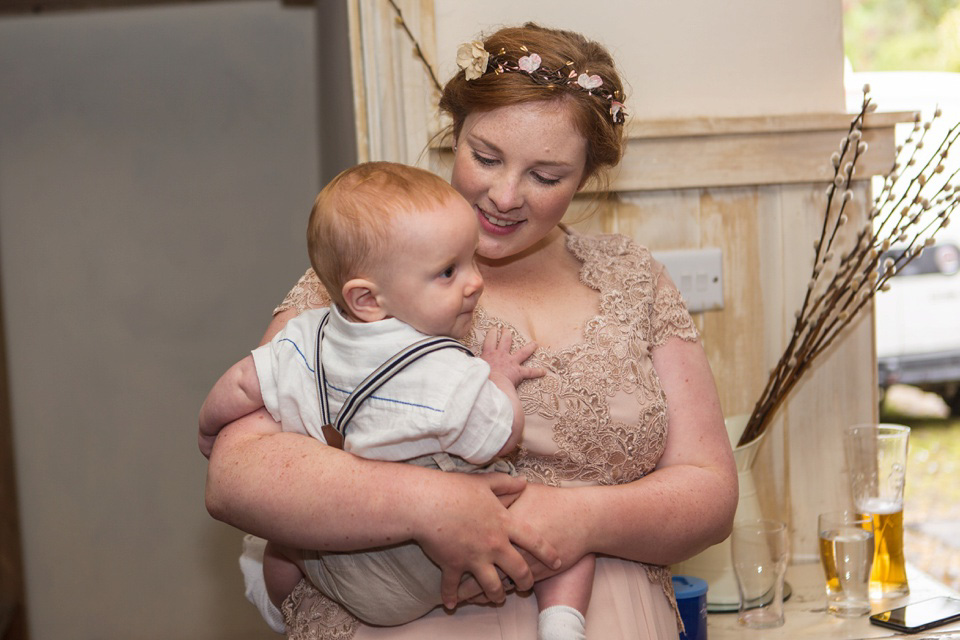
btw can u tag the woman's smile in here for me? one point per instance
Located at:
(492, 223)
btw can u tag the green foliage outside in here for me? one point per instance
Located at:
(902, 35)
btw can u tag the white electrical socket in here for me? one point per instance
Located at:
(698, 274)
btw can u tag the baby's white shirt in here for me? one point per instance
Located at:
(443, 402)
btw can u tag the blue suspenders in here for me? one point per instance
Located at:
(335, 432)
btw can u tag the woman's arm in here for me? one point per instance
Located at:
(299, 492)
(685, 505)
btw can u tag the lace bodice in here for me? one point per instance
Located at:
(599, 415)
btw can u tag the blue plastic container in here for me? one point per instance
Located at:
(692, 602)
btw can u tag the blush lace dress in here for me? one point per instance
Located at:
(597, 418)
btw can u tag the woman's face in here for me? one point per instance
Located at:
(518, 167)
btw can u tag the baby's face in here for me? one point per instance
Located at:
(430, 279)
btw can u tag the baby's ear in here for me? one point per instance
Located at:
(360, 295)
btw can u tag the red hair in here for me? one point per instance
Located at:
(350, 221)
(591, 114)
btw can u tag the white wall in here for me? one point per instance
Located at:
(687, 59)
(156, 170)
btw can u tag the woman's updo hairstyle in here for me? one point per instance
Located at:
(558, 50)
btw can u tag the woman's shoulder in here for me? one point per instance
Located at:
(611, 258)
(308, 293)
(605, 246)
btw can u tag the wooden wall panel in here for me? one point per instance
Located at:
(742, 221)
(664, 219)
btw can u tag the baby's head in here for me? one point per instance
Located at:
(388, 240)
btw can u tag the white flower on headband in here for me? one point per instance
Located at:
(615, 109)
(590, 82)
(472, 58)
(529, 63)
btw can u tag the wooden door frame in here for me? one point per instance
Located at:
(13, 611)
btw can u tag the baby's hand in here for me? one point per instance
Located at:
(496, 353)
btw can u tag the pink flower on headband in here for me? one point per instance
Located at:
(472, 58)
(529, 63)
(590, 82)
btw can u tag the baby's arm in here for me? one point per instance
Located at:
(236, 394)
(507, 371)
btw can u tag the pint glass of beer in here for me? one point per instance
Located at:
(877, 461)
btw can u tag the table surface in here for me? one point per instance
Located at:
(806, 614)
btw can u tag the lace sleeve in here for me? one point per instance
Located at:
(308, 293)
(669, 315)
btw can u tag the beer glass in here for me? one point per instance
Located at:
(846, 552)
(759, 551)
(877, 461)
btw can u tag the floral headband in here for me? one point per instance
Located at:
(476, 61)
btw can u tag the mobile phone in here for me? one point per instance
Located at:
(919, 616)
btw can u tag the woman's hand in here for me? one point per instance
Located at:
(546, 510)
(477, 535)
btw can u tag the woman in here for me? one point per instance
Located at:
(627, 420)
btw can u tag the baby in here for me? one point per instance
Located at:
(380, 375)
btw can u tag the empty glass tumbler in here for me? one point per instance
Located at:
(759, 551)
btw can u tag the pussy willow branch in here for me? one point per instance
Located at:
(913, 205)
(782, 370)
(417, 51)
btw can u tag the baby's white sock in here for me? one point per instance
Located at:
(255, 588)
(561, 622)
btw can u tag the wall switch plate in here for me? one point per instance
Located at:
(698, 274)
